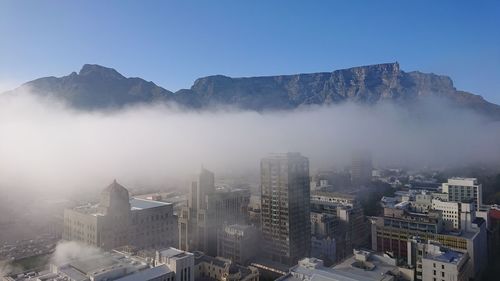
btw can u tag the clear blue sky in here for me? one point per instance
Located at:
(174, 42)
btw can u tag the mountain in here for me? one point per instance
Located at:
(97, 87)
(365, 84)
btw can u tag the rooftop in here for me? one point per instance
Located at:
(440, 254)
(97, 265)
(343, 272)
(135, 204)
(173, 253)
(449, 257)
(149, 274)
(333, 194)
(141, 204)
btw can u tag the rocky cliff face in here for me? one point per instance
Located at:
(366, 84)
(96, 87)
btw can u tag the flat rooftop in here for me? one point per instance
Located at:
(449, 256)
(173, 253)
(135, 204)
(141, 204)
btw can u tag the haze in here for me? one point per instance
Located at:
(47, 147)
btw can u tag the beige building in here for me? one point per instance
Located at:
(119, 221)
(456, 215)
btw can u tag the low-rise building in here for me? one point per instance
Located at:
(220, 269)
(101, 266)
(178, 261)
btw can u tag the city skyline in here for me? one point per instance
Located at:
(249, 140)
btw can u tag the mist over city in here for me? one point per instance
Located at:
(48, 147)
(247, 141)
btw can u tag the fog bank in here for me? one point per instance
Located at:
(46, 146)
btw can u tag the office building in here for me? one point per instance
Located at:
(239, 243)
(285, 203)
(207, 212)
(119, 220)
(456, 215)
(339, 217)
(464, 189)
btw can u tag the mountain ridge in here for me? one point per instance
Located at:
(97, 87)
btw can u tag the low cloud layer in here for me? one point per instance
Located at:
(46, 146)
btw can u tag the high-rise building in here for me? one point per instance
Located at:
(207, 212)
(119, 221)
(285, 203)
(361, 170)
(464, 189)
(206, 185)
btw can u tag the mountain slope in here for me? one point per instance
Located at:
(97, 87)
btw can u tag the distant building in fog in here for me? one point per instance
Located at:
(361, 170)
(207, 212)
(285, 203)
(119, 221)
(239, 243)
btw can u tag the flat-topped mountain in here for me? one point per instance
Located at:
(98, 87)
